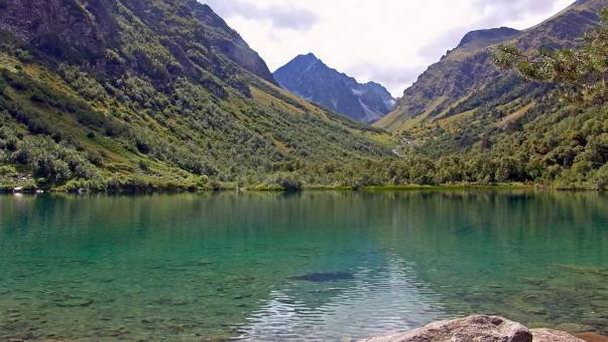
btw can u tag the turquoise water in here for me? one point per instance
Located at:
(311, 266)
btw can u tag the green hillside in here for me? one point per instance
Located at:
(152, 94)
(467, 121)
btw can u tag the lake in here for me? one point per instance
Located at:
(312, 266)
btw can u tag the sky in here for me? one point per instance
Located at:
(387, 41)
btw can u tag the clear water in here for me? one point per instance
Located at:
(312, 266)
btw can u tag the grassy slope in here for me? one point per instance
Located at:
(238, 139)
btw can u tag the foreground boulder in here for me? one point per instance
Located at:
(479, 328)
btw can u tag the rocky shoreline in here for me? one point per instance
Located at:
(483, 328)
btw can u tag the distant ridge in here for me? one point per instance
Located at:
(489, 36)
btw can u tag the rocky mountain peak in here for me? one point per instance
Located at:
(309, 57)
(307, 76)
(306, 60)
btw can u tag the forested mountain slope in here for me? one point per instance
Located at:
(489, 126)
(139, 94)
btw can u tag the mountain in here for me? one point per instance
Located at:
(139, 94)
(118, 37)
(467, 73)
(308, 77)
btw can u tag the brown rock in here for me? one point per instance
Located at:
(548, 335)
(471, 329)
(591, 337)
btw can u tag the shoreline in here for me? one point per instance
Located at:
(311, 188)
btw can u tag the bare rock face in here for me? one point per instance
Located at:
(479, 328)
(548, 335)
(55, 26)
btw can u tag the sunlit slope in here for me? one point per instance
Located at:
(158, 93)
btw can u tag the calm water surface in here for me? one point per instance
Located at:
(312, 266)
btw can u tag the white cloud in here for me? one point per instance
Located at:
(388, 41)
(512, 10)
(281, 16)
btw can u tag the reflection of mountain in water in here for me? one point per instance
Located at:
(378, 300)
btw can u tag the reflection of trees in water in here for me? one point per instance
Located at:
(217, 259)
(501, 252)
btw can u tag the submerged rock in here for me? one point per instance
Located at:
(325, 277)
(73, 302)
(479, 328)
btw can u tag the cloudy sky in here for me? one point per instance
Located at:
(388, 41)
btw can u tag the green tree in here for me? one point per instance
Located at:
(581, 72)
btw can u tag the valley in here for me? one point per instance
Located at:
(162, 95)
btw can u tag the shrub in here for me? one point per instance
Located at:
(142, 146)
(51, 161)
(601, 179)
(144, 165)
(289, 184)
(95, 157)
(2, 83)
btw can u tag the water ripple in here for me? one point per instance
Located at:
(377, 301)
